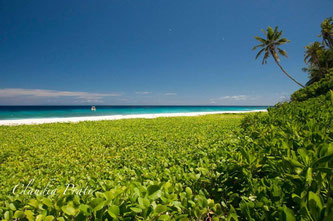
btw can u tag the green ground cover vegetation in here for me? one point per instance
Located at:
(264, 166)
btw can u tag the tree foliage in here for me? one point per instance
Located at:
(319, 56)
(270, 46)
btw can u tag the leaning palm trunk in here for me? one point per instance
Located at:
(278, 63)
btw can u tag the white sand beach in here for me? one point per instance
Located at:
(111, 117)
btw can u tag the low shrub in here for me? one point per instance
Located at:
(281, 164)
(318, 88)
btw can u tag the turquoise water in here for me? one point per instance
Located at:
(29, 112)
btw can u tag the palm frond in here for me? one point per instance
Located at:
(260, 52)
(257, 46)
(276, 29)
(278, 35)
(270, 32)
(260, 39)
(305, 69)
(264, 60)
(306, 58)
(283, 52)
(282, 41)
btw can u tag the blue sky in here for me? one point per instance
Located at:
(150, 51)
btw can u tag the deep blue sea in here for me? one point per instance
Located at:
(28, 112)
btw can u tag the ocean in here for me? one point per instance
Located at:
(30, 112)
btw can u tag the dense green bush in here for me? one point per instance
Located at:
(315, 89)
(281, 165)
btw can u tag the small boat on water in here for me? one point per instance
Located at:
(93, 108)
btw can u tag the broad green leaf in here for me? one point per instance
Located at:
(19, 214)
(309, 176)
(188, 191)
(164, 217)
(114, 211)
(49, 218)
(143, 202)
(324, 159)
(293, 162)
(315, 198)
(161, 208)
(136, 210)
(289, 215)
(153, 189)
(69, 210)
(12, 206)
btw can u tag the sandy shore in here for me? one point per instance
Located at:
(111, 117)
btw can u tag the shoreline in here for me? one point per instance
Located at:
(34, 121)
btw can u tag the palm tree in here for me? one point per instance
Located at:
(322, 65)
(327, 32)
(312, 53)
(270, 46)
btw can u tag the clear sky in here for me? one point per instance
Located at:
(150, 51)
